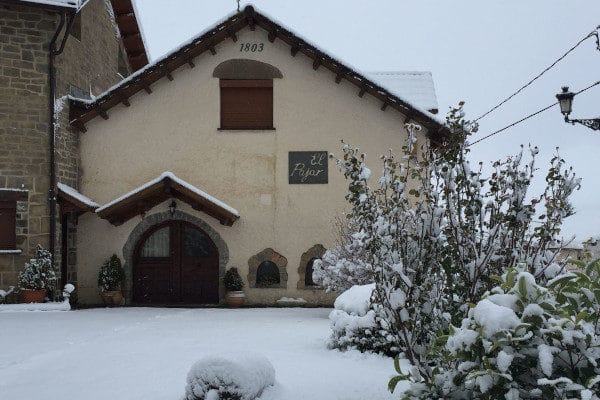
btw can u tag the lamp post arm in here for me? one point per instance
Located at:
(593, 123)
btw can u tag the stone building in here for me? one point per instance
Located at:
(87, 58)
(215, 156)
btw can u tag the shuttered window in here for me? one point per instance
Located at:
(246, 103)
(8, 217)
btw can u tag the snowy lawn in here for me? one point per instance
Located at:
(146, 353)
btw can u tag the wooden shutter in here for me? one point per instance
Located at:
(246, 103)
(8, 217)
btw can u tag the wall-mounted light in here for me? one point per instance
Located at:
(172, 207)
(565, 101)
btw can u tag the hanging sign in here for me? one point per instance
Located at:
(306, 167)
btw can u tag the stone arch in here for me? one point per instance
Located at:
(242, 68)
(154, 219)
(316, 251)
(268, 255)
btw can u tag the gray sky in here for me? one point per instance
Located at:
(479, 52)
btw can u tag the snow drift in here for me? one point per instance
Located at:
(236, 376)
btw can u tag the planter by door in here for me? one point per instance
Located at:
(33, 296)
(235, 299)
(112, 298)
(175, 262)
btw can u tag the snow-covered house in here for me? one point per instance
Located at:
(216, 156)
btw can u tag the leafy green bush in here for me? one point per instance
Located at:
(523, 341)
(111, 274)
(233, 281)
(38, 273)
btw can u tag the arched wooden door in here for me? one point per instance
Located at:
(175, 262)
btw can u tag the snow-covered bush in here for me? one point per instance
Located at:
(354, 325)
(432, 231)
(524, 341)
(340, 268)
(111, 274)
(232, 280)
(229, 377)
(38, 273)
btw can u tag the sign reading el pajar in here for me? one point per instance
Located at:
(307, 167)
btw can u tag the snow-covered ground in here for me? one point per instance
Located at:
(146, 353)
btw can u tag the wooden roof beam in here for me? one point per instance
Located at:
(251, 22)
(167, 73)
(384, 106)
(212, 50)
(362, 92)
(125, 101)
(81, 126)
(272, 35)
(232, 35)
(294, 50)
(339, 76)
(101, 112)
(316, 63)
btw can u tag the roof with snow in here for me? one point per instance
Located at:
(131, 34)
(156, 191)
(83, 111)
(73, 201)
(69, 5)
(416, 86)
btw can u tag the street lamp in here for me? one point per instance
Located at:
(565, 101)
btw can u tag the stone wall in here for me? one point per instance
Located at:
(88, 64)
(24, 36)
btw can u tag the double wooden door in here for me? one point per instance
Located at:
(175, 262)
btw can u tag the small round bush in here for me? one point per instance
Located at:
(233, 280)
(38, 273)
(111, 274)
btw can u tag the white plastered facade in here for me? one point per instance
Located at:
(176, 129)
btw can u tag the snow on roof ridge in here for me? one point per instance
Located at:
(170, 175)
(382, 72)
(211, 27)
(76, 194)
(61, 3)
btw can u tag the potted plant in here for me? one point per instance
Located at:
(235, 297)
(110, 278)
(37, 276)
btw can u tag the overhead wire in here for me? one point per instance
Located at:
(529, 116)
(594, 33)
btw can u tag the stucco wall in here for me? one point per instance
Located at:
(176, 129)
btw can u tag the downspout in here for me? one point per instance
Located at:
(52, 53)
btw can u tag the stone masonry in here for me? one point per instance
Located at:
(88, 64)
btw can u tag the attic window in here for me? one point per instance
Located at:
(246, 93)
(246, 103)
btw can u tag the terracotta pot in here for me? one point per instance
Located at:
(112, 298)
(235, 299)
(33, 295)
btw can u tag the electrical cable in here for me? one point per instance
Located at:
(594, 33)
(529, 116)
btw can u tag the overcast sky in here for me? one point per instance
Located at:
(478, 51)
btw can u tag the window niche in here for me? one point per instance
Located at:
(305, 269)
(246, 90)
(267, 269)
